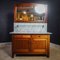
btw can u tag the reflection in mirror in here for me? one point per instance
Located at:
(41, 8)
(32, 13)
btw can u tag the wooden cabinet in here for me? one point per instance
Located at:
(30, 44)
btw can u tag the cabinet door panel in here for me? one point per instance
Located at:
(21, 45)
(39, 43)
(39, 46)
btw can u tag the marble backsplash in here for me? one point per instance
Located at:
(30, 27)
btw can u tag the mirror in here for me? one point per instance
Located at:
(32, 12)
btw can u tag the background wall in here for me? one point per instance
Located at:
(6, 18)
(54, 20)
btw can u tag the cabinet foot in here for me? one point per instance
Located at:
(12, 55)
(47, 56)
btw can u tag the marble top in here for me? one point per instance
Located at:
(30, 33)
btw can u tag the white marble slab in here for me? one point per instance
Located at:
(29, 33)
(30, 27)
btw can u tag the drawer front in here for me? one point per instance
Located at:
(17, 36)
(21, 39)
(39, 36)
(26, 36)
(21, 36)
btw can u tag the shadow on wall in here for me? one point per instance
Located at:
(9, 25)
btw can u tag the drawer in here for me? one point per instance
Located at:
(26, 36)
(15, 39)
(17, 36)
(37, 39)
(21, 36)
(40, 36)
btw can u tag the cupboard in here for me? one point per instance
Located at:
(30, 44)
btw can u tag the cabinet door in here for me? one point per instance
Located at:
(21, 45)
(39, 45)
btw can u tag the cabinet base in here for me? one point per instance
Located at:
(30, 55)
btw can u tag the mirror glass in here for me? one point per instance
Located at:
(32, 12)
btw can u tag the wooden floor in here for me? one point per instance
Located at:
(5, 54)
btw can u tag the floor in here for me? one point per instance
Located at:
(5, 54)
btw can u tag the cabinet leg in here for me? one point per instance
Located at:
(48, 56)
(12, 55)
(48, 53)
